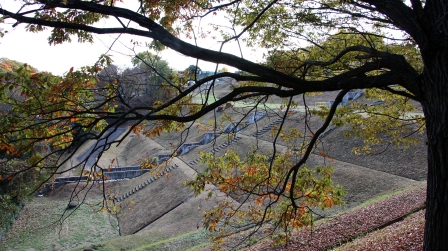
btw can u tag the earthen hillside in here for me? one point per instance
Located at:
(163, 203)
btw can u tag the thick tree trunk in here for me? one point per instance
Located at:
(434, 98)
(435, 105)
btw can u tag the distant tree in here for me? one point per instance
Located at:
(193, 70)
(156, 71)
(15, 193)
(283, 188)
(224, 69)
(8, 65)
(141, 85)
(240, 72)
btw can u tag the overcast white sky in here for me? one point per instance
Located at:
(33, 48)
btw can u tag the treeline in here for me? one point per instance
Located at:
(145, 83)
(13, 193)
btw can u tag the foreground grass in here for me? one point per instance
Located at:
(40, 227)
(197, 240)
(151, 240)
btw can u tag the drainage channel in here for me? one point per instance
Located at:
(145, 183)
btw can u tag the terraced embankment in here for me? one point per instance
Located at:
(361, 182)
(164, 208)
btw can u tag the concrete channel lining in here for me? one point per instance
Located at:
(145, 183)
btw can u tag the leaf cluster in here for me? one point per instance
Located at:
(258, 181)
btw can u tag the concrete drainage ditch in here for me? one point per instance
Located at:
(169, 169)
(145, 183)
(231, 128)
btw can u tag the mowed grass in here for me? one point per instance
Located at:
(151, 240)
(40, 227)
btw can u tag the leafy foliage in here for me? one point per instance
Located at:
(269, 196)
(15, 193)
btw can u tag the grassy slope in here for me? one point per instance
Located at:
(198, 240)
(151, 240)
(39, 226)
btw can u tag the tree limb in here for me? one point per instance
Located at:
(157, 32)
